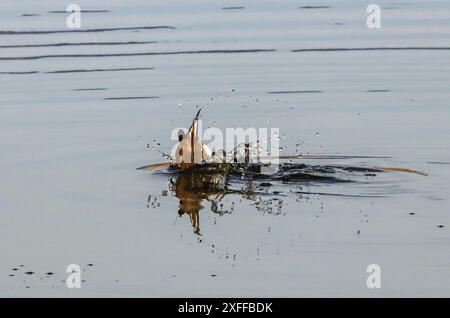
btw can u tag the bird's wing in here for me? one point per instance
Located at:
(154, 166)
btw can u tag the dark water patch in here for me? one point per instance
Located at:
(315, 7)
(315, 157)
(82, 11)
(294, 177)
(378, 90)
(411, 48)
(19, 73)
(295, 172)
(131, 97)
(339, 194)
(10, 32)
(337, 168)
(76, 44)
(37, 57)
(294, 92)
(101, 70)
(233, 8)
(90, 89)
(438, 163)
(285, 172)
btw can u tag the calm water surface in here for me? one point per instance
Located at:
(78, 109)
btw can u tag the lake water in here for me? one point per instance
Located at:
(80, 110)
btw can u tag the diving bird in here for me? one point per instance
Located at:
(191, 149)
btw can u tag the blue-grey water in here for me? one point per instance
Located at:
(80, 110)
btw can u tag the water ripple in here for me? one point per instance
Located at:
(75, 44)
(37, 57)
(6, 32)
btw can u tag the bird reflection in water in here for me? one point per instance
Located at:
(204, 184)
(192, 189)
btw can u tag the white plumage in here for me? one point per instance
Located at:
(191, 149)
